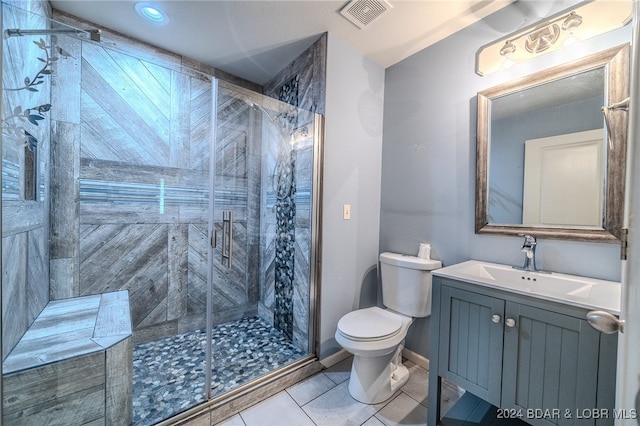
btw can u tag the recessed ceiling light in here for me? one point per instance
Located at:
(152, 13)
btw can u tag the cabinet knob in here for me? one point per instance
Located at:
(495, 318)
(510, 322)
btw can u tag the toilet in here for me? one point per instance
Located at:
(375, 336)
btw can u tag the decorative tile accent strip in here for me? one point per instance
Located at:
(95, 191)
(10, 180)
(140, 193)
(285, 251)
(285, 176)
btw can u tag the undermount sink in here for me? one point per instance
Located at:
(585, 292)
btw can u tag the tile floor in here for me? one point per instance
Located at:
(324, 399)
(168, 374)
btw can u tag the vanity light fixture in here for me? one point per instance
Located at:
(570, 25)
(587, 20)
(572, 22)
(507, 51)
(543, 37)
(151, 13)
(540, 40)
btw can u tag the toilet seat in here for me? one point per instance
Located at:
(370, 324)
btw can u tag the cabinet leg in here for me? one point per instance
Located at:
(435, 394)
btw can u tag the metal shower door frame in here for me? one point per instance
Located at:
(315, 245)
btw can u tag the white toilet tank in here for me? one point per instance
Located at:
(406, 283)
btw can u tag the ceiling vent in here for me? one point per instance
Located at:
(363, 12)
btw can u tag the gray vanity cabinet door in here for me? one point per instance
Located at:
(550, 363)
(471, 342)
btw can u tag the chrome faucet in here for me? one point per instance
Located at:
(529, 249)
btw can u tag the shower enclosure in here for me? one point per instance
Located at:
(127, 176)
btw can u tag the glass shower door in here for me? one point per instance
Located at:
(263, 275)
(105, 190)
(144, 216)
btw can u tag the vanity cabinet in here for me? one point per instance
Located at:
(539, 359)
(471, 343)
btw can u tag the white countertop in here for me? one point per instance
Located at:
(589, 293)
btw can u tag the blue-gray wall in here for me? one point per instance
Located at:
(351, 175)
(428, 154)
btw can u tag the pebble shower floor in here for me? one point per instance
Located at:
(168, 374)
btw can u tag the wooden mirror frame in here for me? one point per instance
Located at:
(616, 63)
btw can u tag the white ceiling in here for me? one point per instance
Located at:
(256, 39)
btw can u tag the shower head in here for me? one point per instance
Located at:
(262, 110)
(94, 34)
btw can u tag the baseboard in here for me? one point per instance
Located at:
(334, 358)
(415, 358)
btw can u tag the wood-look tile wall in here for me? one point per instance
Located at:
(73, 366)
(25, 248)
(237, 157)
(111, 159)
(90, 388)
(139, 184)
(310, 69)
(131, 191)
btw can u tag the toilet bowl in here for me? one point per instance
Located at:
(375, 336)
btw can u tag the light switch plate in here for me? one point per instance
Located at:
(346, 211)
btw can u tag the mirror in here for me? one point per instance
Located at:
(548, 163)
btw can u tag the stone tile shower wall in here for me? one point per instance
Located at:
(25, 168)
(286, 219)
(284, 188)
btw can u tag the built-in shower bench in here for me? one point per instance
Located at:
(74, 364)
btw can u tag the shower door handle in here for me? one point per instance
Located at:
(227, 237)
